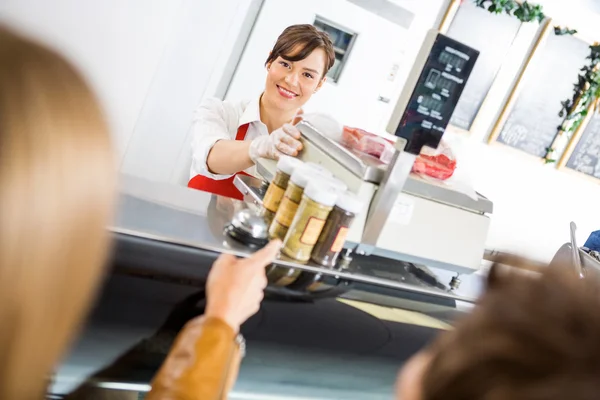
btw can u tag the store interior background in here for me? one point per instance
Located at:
(152, 61)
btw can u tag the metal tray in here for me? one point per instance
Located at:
(370, 169)
(177, 215)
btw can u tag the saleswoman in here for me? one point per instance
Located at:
(228, 137)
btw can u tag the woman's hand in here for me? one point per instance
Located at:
(235, 287)
(285, 140)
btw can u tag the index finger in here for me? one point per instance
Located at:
(266, 255)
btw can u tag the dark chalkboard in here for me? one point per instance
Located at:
(586, 156)
(533, 121)
(493, 36)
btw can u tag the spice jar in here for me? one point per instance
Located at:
(337, 184)
(282, 276)
(319, 168)
(291, 199)
(317, 201)
(332, 238)
(285, 167)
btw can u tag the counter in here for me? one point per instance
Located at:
(186, 222)
(349, 345)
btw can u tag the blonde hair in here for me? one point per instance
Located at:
(57, 179)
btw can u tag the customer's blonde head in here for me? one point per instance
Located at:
(56, 194)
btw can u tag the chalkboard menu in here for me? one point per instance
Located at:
(492, 35)
(586, 156)
(533, 121)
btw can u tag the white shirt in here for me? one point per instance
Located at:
(216, 120)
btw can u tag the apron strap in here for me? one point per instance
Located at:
(221, 187)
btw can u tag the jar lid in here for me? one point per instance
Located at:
(302, 175)
(322, 192)
(288, 164)
(350, 202)
(318, 167)
(337, 184)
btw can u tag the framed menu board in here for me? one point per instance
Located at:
(493, 36)
(529, 121)
(585, 157)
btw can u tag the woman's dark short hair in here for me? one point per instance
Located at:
(297, 42)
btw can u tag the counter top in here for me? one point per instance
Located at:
(175, 215)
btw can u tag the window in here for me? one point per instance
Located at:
(342, 39)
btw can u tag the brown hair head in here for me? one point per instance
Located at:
(57, 175)
(297, 42)
(533, 336)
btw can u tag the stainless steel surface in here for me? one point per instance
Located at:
(589, 264)
(249, 222)
(251, 188)
(264, 172)
(178, 215)
(385, 199)
(564, 258)
(575, 257)
(372, 170)
(440, 193)
(363, 166)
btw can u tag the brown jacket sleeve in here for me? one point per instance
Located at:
(202, 365)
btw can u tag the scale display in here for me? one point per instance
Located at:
(436, 94)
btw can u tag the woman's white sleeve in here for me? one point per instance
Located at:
(210, 124)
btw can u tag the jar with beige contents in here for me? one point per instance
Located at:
(317, 201)
(278, 186)
(284, 216)
(291, 199)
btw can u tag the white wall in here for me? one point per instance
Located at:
(149, 61)
(194, 60)
(116, 44)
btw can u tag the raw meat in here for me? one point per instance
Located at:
(439, 164)
(365, 142)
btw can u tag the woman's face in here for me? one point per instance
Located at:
(290, 84)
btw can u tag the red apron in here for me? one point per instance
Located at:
(222, 187)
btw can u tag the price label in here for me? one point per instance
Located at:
(403, 209)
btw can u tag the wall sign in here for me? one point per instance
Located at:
(493, 36)
(583, 154)
(529, 120)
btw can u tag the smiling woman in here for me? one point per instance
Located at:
(228, 137)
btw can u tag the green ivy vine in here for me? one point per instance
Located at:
(525, 11)
(586, 90)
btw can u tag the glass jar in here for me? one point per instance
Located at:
(332, 238)
(317, 201)
(320, 169)
(272, 199)
(337, 184)
(291, 199)
(282, 276)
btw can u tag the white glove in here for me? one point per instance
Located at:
(285, 140)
